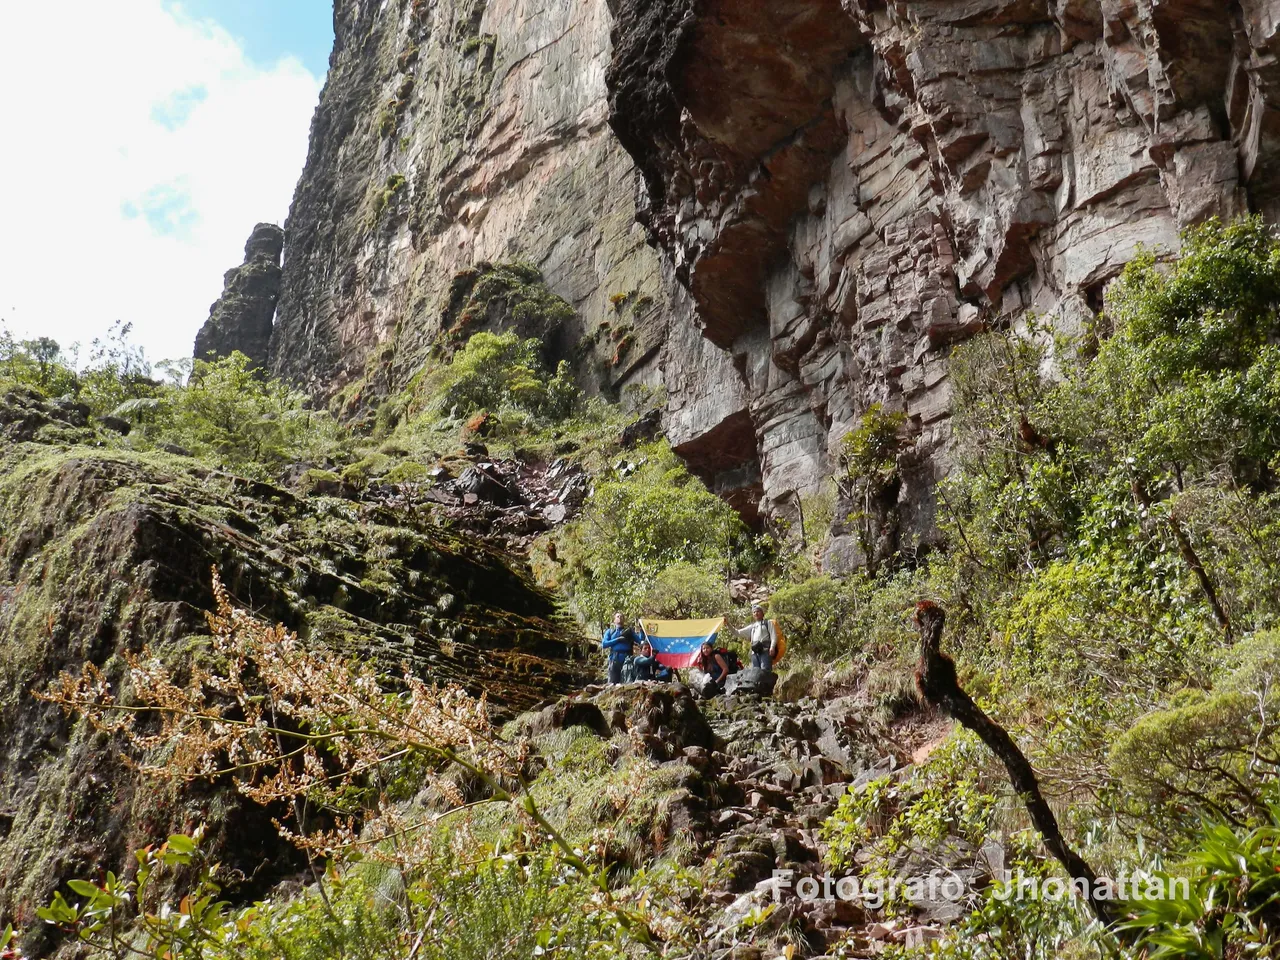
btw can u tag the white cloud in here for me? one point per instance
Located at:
(138, 148)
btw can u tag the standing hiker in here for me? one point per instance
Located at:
(762, 636)
(617, 643)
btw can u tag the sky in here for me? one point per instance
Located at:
(140, 141)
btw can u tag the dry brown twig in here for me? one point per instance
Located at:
(290, 725)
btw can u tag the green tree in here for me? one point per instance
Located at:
(495, 371)
(40, 363)
(636, 527)
(118, 371)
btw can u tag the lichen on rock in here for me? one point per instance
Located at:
(104, 551)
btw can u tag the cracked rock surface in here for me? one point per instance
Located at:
(836, 192)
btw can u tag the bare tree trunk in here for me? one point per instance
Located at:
(937, 681)
(1202, 576)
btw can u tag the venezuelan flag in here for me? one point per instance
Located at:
(676, 642)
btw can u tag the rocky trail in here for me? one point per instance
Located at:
(508, 502)
(762, 778)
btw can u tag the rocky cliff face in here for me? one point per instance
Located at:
(890, 178)
(838, 191)
(450, 133)
(241, 319)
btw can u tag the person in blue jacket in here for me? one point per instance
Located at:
(618, 642)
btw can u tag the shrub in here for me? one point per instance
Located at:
(1227, 903)
(869, 480)
(509, 296)
(683, 591)
(810, 613)
(38, 363)
(118, 372)
(231, 412)
(1209, 754)
(407, 471)
(500, 370)
(635, 528)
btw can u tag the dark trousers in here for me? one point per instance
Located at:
(645, 667)
(762, 660)
(615, 670)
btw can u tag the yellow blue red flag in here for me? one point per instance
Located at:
(676, 642)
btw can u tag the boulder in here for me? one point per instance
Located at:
(485, 486)
(118, 424)
(641, 431)
(567, 713)
(751, 680)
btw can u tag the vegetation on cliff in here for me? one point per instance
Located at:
(1111, 556)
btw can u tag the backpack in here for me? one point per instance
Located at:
(731, 659)
(629, 670)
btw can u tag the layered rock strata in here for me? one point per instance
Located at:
(845, 189)
(838, 192)
(241, 319)
(452, 133)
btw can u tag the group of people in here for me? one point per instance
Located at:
(631, 656)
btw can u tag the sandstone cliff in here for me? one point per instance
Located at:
(241, 319)
(837, 190)
(453, 132)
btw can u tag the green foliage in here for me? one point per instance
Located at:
(120, 918)
(407, 471)
(483, 40)
(869, 478)
(512, 293)
(1120, 516)
(1005, 925)
(858, 817)
(118, 372)
(444, 909)
(812, 613)
(869, 451)
(503, 372)
(683, 591)
(1228, 903)
(1210, 754)
(383, 198)
(635, 528)
(38, 363)
(941, 798)
(862, 617)
(231, 413)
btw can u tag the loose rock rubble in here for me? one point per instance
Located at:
(510, 502)
(768, 775)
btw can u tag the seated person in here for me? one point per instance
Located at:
(646, 662)
(617, 643)
(708, 669)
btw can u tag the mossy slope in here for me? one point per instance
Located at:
(104, 551)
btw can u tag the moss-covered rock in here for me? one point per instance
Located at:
(105, 551)
(501, 297)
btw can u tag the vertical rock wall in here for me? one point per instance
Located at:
(452, 132)
(838, 192)
(845, 189)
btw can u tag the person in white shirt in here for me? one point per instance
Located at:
(762, 636)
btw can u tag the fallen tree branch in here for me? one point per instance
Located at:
(938, 684)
